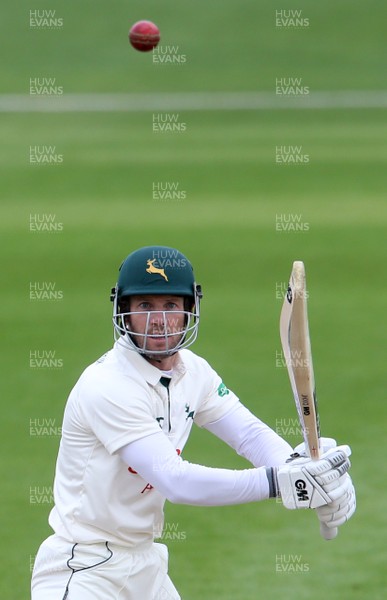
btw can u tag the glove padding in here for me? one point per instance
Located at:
(341, 510)
(306, 483)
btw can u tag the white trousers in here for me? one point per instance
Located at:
(102, 571)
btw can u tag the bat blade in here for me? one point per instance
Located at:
(294, 331)
(296, 347)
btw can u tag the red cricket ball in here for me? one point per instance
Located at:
(144, 36)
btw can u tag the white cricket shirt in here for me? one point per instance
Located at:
(117, 400)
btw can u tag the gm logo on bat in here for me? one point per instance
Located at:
(302, 493)
(305, 405)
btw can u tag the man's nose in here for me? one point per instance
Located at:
(157, 319)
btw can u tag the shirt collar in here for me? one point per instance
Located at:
(150, 373)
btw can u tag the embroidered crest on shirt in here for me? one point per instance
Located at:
(190, 414)
(222, 390)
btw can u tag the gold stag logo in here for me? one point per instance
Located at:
(152, 269)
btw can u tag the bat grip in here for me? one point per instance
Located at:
(328, 533)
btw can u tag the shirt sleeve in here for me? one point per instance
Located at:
(118, 412)
(218, 400)
(156, 461)
(251, 438)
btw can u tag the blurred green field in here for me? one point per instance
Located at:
(229, 223)
(235, 46)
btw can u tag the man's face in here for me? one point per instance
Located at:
(161, 320)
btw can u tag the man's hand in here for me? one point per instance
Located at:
(306, 483)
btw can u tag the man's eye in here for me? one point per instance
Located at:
(145, 305)
(171, 306)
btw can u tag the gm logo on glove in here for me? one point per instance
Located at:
(301, 492)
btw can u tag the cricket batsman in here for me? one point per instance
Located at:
(125, 426)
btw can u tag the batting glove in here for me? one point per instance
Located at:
(341, 510)
(306, 483)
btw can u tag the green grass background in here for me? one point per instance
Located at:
(225, 162)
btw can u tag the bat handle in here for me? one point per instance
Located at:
(328, 533)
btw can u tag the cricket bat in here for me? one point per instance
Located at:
(294, 332)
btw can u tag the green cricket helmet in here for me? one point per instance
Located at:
(156, 270)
